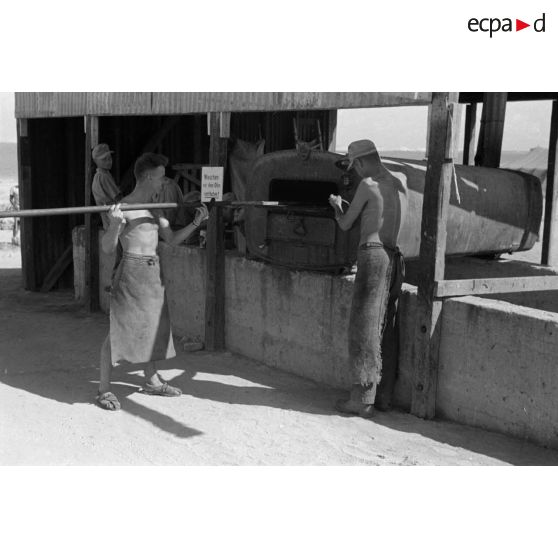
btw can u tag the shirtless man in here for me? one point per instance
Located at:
(140, 330)
(380, 201)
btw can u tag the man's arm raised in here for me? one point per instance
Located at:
(178, 237)
(109, 242)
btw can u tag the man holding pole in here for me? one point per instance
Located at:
(140, 330)
(380, 201)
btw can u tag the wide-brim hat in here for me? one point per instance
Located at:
(100, 151)
(356, 149)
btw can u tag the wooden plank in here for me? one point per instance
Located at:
(26, 201)
(432, 253)
(91, 291)
(491, 130)
(550, 230)
(58, 269)
(470, 133)
(470, 97)
(466, 287)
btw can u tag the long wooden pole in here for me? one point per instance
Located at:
(53, 211)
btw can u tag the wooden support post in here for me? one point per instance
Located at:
(428, 122)
(332, 130)
(470, 132)
(26, 202)
(215, 282)
(91, 293)
(491, 130)
(432, 253)
(217, 144)
(550, 231)
(215, 249)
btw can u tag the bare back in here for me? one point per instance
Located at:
(381, 204)
(140, 234)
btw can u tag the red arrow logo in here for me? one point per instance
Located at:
(519, 25)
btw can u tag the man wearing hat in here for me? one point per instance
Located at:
(105, 191)
(380, 201)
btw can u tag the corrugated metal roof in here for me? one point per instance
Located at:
(40, 105)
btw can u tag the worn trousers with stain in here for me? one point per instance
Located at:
(373, 336)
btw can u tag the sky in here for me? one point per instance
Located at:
(527, 125)
(7, 119)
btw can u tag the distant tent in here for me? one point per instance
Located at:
(535, 162)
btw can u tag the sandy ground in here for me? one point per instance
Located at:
(233, 410)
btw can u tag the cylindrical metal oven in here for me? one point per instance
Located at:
(491, 211)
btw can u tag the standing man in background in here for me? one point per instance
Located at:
(380, 201)
(104, 188)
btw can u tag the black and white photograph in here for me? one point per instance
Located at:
(250, 281)
(278, 281)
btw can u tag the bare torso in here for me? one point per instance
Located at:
(381, 204)
(141, 237)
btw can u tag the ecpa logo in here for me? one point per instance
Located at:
(493, 25)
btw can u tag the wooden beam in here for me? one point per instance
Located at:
(91, 292)
(470, 133)
(497, 285)
(469, 97)
(432, 253)
(26, 202)
(550, 230)
(491, 130)
(58, 269)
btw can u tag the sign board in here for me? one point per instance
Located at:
(212, 184)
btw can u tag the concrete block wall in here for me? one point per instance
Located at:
(497, 360)
(498, 368)
(296, 321)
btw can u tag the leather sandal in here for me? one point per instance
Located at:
(108, 401)
(164, 389)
